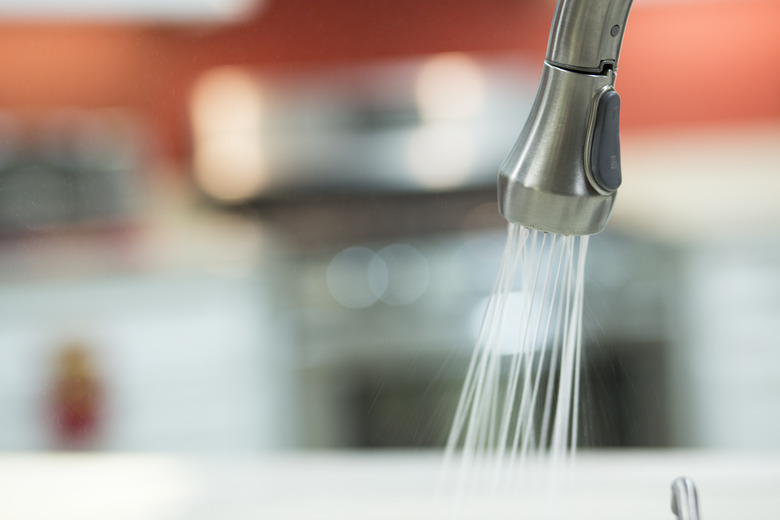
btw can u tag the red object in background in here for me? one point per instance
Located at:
(77, 399)
(683, 63)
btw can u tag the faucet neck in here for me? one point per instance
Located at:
(586, 35)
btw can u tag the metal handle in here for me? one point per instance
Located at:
(685, 503)
(586, 35)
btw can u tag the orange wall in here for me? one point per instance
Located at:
(687, 63)
(701, 62)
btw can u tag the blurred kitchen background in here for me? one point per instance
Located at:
(252, 225)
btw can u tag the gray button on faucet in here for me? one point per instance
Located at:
(605, 144)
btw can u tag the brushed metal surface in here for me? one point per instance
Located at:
(587, 35)
(542, 182)
(545, 182)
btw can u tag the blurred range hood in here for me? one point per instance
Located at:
(187, 11)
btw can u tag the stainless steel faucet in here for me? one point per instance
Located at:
(685, 502)
(563, 172)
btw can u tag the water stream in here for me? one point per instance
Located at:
(521, 393)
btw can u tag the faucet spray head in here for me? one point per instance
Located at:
(563, 172)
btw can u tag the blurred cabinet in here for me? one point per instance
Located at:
(70, 168)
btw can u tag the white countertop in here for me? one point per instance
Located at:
(370, 485)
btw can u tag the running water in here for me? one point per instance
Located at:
(521, 394)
